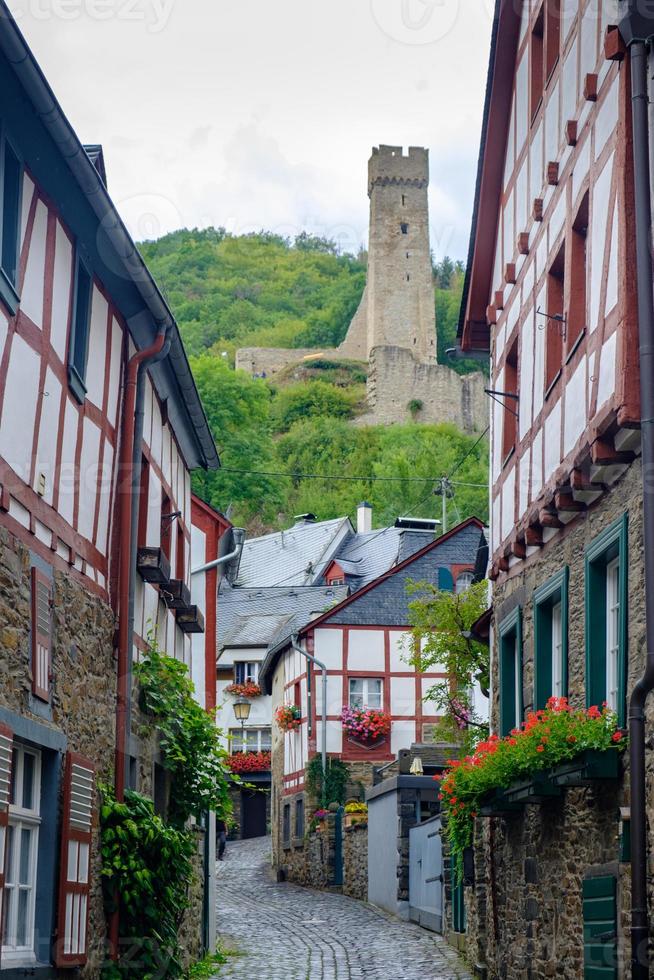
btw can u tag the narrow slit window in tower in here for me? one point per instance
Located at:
(403, 200)
(404, 228)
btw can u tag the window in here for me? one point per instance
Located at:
(21, 856)
(510, 636)
(11, 181)
(366, 692)
(79, 338)
(403, 200)
(250, 740)
(510, 415)
(553, 324)
(246, 670)
(551, 639)
(578, 274)
(404, 228)
(286, 824)
(606, 618)
(463, 581)
(544, 50)
(299, 817)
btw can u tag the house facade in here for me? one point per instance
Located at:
(91, 449)
(364, 644)
(551, 295)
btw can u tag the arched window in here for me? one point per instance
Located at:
(464, 581)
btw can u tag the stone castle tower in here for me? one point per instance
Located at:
(394, 328)
(397, 307)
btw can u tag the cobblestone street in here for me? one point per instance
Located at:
(290, 933)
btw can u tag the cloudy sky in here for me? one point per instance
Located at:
(261, 113)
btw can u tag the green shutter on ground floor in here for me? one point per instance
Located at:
(600, 928)
(510, 643)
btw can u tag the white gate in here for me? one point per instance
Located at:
(426, 874)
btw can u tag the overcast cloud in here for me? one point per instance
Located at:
(262, 113)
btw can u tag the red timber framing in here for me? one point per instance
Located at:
(214, 526)
(605, 444)
(6, 752)
(75, 862)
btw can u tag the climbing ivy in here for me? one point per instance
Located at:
(338, 775)
(189, 738)
(148, 864)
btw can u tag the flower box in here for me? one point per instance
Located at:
(495, 804)
(538, 788)
(352, 818)
(587, 767)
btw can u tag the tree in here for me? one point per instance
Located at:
(441, 622)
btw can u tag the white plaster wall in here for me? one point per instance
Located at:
(403, 735)
(48, 431)
(328, 647)
(63, 267)
(366, 650)
(97, 348)
(31, 300)
(19, 407)
(403, 696)
(88, 477)
(400, 648)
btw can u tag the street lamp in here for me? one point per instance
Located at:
(242, 712)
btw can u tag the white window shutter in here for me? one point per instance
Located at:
(74, 874)
(41, 635)
(6, 752)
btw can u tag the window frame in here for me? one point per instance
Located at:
(237, 734)
(511, 626)
(552, 592)
(254, 676)
(22, 818)
(464, 575)
(9, 290)
(612, 542)
(366, 693)
(76, 378)
(510, 405)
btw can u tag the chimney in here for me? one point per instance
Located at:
(364, 518)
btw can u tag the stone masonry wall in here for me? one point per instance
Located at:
(82, 706)
(355, 861)
(190, 932)
(269, 361)
(525, 912)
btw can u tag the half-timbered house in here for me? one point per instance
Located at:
(100, 425)
(550, 295)
(364, 644)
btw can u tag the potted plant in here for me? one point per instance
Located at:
(355, 812)
(288, 717)
(242, 762)
(367, 726)
(247, 690)
(318, 821)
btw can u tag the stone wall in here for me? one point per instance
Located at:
(355, 861)
(81, 713)
(269, 361)
(525, 911)
(190, 932)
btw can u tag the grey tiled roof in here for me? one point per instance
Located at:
(297, 556)
(256, 617)
(364, 557)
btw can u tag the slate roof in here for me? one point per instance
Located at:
(297, 556)
(364, 557)
(256, 617)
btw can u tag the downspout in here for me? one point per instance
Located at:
(643, 216)
(239, 537)
(323, 740)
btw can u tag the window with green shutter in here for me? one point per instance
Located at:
(510, 648)
(551, 639)
(606, 618)
(600, 928)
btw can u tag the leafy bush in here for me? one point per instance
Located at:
(148, 864)
(313, 398)
(190, 740)
(338, 776)
(545, 739)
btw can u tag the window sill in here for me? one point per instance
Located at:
(575, 346)
(8, 294)
(298, 843)
(553, 383)
(76, 384)
(286, 845)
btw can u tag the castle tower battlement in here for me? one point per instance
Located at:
(397, 307)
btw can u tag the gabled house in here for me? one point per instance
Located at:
(362, 644)
(100, 426)
(550, 296)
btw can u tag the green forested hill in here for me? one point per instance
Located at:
(263, 290)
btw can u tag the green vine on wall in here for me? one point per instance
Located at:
(189, 738)
(148, 864)
(338, 775)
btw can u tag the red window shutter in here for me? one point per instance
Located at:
(6, 750)
(73, 915)
(41, 635)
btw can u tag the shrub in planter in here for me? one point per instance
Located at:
(317, 821)
(366, 725)
(288, 717)
(355, 812)
(249, 762)
(247, 690)
(545, 740)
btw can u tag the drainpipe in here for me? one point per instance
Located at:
(298, 649)
(643, 215)
(132, 400)
(239, 538)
